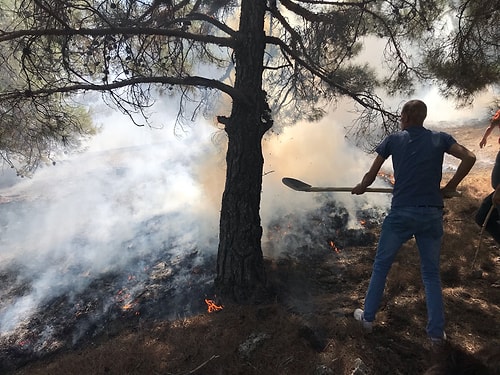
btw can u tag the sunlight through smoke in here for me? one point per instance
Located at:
(93, 212)
(142, 193)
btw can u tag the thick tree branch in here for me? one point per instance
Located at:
(325, 17)
(212, 21)
(183, 81)
(221, 41)
(318, 72)
(337, 3)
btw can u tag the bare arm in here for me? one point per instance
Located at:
(486, 134)
(467, 162)
(369, 177)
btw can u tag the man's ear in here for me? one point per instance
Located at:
(404, 118)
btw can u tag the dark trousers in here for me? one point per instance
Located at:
(492, 226)
(495, 173)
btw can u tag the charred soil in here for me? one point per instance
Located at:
(309, 328)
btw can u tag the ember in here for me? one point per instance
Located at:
(212, 306)
(158, 275)
(334, 247)
(129, 306)
(387, 177)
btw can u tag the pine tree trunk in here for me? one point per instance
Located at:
(240, 263)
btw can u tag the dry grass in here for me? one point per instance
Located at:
(309, 329)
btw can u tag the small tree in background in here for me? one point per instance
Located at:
(274, 61)
(467, 59)
(34, 128)
(33, 132)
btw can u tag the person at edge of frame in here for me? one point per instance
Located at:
(416, 210)
(493, 224)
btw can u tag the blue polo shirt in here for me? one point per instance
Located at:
(417, 159)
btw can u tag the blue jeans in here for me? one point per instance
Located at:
(401, 224)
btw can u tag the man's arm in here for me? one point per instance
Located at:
(467, 162)
(369, 177)
(495, 121)
(487, 133)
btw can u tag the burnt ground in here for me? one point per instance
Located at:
(308, 328)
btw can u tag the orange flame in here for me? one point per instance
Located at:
(128, 306)
(387, 177)
(124, 298)
(334, 247)
(212, 306)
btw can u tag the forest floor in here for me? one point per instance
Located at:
(309, 328)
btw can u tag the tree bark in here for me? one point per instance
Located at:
(240, 264)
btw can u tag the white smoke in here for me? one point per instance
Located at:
(84, 216)
(87, 214)
(318, 154)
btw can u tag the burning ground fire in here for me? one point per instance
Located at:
(387, 177)
(139, 257)
(321, 230)
(212, 306)
(334, 247)
(126, 301)
(163, 290)
(172, 281)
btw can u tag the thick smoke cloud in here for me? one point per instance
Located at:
(129, 194)
(140, 192)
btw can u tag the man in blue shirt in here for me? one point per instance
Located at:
(416, 208)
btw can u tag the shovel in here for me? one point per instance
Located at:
(298, 185)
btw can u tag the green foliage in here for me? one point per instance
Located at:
(278, 62)
(132, 51)
(33, 131)
(467, 59)
(462, 77)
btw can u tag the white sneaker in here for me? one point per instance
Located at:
(359, 315)
(437, 342)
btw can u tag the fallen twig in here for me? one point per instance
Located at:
(485, 222)
(197, 368)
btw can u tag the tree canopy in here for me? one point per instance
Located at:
(271, 62)
(34, 129)
(466, 59)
